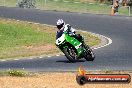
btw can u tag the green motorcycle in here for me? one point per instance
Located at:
(73, 49)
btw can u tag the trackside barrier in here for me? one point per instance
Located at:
(129, 9)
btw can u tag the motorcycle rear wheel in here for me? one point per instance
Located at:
(89, 55)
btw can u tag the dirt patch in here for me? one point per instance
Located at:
(52, 80)
(35, 50)
(39, 48)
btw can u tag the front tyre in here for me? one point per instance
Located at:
(70, 54)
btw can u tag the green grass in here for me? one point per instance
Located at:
(21, 39)
(12, 35)
(18, 73)
(74, 7)
(59, 5)
(10, 3)
(15, 36)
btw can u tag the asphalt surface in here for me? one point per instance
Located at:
(117, 56)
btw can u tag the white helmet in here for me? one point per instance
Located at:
(60, 23)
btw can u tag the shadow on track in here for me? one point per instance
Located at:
(66, 61)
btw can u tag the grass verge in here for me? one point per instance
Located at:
(23, 39)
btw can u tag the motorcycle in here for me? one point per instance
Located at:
(74, 49)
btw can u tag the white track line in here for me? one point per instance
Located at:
(48, 56)
(57, 55)
(3, 60)
(16, 59)
(109, 42)
(23, 68)
(40, 57)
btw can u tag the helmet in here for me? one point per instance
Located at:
(60, 23)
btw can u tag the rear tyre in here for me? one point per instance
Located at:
(70, 54)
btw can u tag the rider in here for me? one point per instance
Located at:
(63, 27)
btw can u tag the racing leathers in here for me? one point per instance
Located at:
(70, 31)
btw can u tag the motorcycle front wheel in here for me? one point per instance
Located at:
(70, 54)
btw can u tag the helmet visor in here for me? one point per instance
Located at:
(60, 26)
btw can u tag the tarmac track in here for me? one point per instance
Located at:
(117, 56)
